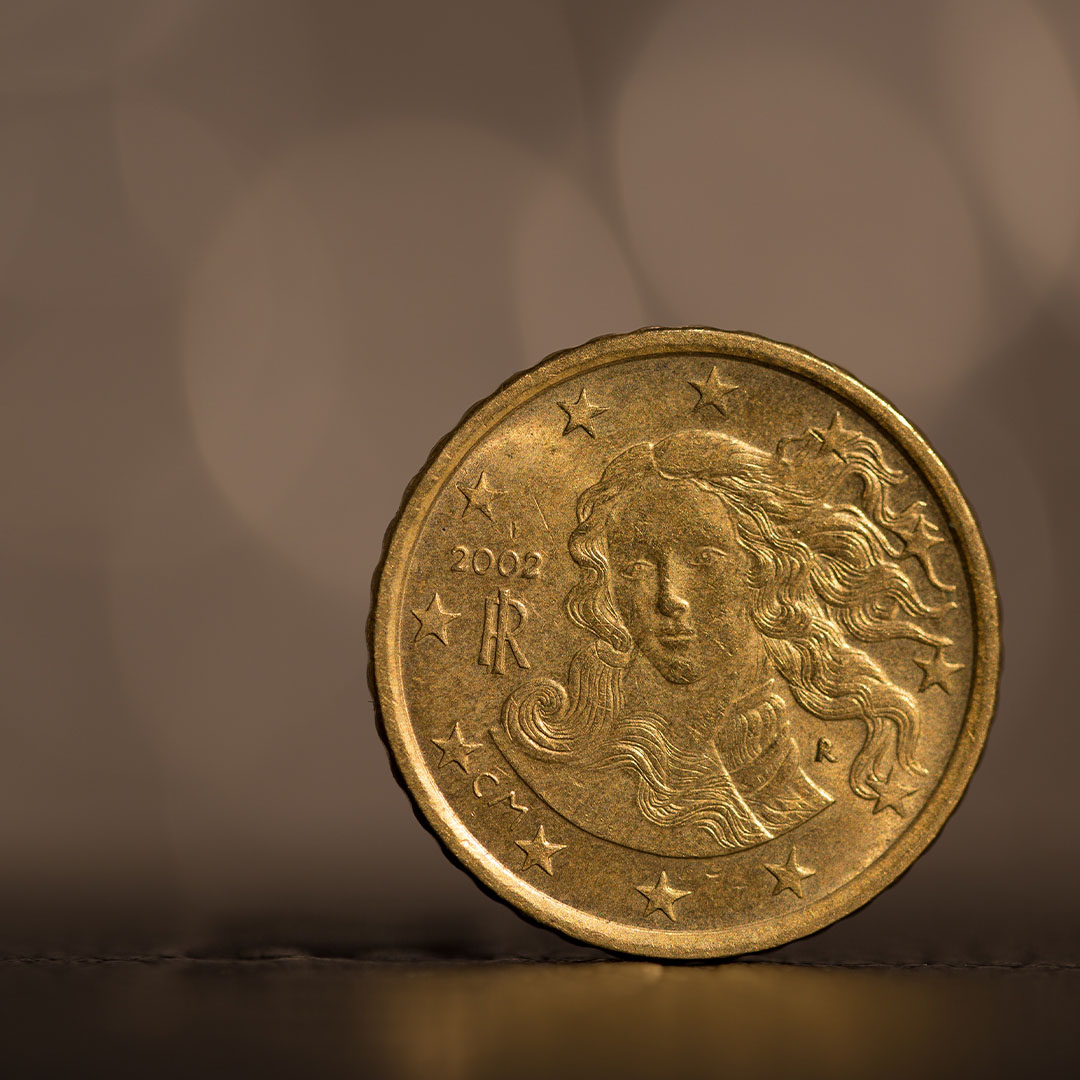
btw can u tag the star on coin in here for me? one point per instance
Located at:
(891, 794)
(538, 851)
(919, 540)
(479, 496)
(712, 391)
(434, 619)
(581, 413)
(937, 671)
(662, 896)
(456, 749)
(837, 438)
(789, 875)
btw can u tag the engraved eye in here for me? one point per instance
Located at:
(706, 556)
(636, 567)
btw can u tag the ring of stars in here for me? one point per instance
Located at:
(937, 671)
(479, 496)
(581, 413)
(456, 749)
(891, 794)
(435, 619)
(789, 875)
(712, 390)
(662, 896)
(836, 439)
(539, 851)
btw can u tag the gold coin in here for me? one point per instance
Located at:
(686, 643)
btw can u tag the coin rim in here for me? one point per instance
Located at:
(422, 785)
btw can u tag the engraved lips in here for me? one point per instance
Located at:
(678, 635)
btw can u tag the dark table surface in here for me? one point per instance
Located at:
(424, 1017)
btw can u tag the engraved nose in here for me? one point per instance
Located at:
(670, 600)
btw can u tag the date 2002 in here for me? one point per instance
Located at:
(507, 563)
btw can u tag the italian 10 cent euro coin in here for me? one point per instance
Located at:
(686, 643)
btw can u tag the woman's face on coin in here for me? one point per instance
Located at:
(678, 577)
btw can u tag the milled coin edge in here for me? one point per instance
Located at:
(436, 811)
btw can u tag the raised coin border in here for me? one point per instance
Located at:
(386, 647)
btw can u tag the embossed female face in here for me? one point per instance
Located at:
(679, 577)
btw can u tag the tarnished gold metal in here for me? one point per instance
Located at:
(685, 643)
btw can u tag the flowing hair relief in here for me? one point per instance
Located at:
(828, 572)
(680, 787)
(556, 721)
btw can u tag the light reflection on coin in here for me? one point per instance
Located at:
(686, 643)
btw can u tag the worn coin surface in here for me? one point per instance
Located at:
(685, 643)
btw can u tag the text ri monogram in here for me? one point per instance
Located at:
(504, 616)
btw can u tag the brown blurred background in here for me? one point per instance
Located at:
(257, 256)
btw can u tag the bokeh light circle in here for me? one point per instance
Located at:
(769, 188)
(360, 263)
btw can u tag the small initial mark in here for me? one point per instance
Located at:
(434, 619)
(662, 896)
(455, 749)
(891, 794)
(825, 752)
(478, 783)
(512, 803)
(937, 671)
(712, 391)
(789, 875)
(489, 795)
(581, 413)
(538, 852)
(479, 496)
